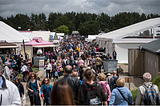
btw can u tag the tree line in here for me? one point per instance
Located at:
(85, 23)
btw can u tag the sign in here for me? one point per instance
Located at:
(41, 65)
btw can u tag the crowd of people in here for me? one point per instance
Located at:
(76, 70)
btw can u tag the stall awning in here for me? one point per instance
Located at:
(46, 46)
(8, 46)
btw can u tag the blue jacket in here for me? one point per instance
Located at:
(45, 90)
(117, 99)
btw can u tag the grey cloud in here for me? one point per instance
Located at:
(111, 7)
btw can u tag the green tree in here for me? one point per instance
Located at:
(89, 28)
(62, 29)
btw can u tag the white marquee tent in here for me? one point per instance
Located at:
(10, 34)
(124, 38)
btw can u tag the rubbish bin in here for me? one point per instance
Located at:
(36, 60)
(110, 65)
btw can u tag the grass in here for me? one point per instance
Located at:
(35, 69)
(123, 63)
(134, 94)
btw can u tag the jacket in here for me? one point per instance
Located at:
(117, 99)
(141, 91)
(9, 93)
(73, 82)
(98, 61)
(108, 88)
(46, 90)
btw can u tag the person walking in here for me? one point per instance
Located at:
(46, 90)
(33, 89)
(48, 68)
(121, 95)
(8, 91)
(112, 82)
(98, 62)
(24, 70)
(144, 92)
(90, 92)
(62, 94)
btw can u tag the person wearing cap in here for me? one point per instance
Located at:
(9, 93)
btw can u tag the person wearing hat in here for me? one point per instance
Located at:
(109, 76)
(9, 93)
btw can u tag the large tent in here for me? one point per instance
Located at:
(124, 38)
(11, 35)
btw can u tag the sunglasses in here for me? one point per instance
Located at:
(32, 76)
(45, 80)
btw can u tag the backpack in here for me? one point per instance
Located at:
(115, 79)
(90, 95)
(104, 87)
(150, 97)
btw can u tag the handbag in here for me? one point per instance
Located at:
(125, 98)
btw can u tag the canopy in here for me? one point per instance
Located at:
(38, 42)
(90, 38)
(10, 34)
(4, 44)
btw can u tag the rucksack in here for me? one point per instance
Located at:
(90, 95)
(150, 97)
(104, 87)
(115, 79)
(93, 95)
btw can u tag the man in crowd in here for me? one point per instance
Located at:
(72, 81)
(112, 82)
(142, 91)
(9, 93)
(98, 63)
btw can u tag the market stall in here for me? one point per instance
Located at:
(37, 47)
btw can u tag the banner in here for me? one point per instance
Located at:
(41, 65)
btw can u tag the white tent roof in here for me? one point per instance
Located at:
(130, 30)
(10, 34)
(60, 34)
(91, 37)
(26, 33)
(43, 34)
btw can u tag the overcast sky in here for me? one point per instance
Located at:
(110, 7)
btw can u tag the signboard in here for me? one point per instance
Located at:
(41, 65)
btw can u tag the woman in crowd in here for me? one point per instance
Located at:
(62, 94)
(105, 85)
(59, 69)
(19, 86)
(46, 89)
(90, 92)
(53, 68)
(33, 89)
(118, 93)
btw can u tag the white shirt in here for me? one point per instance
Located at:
(24, 68)
(49, 67)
